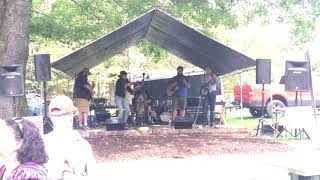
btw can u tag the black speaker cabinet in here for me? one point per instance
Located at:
(263, 71)
(297, 76)
(42, 67)
(183, 123)
(11, 80)
(113, 124)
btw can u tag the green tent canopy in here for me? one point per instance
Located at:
(165, 31)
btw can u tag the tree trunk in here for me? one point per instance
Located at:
(14, 40)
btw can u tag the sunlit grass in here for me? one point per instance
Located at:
(249, 122)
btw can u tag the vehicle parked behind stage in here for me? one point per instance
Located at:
(252, 97)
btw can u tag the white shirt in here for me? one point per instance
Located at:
(70, 155)
(211, 84)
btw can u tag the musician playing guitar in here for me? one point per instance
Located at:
(209, 86)
(177, 88)
(82, 92)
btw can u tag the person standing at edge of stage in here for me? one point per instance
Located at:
(82, 91)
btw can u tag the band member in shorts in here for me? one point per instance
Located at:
(82, 91)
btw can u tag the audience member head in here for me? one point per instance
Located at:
(61, 110)
(21, 141)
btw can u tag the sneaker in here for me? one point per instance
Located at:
(126, 126)
(199, 126)
(213, 126)
(86, 128)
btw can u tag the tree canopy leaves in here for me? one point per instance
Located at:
(77, 22)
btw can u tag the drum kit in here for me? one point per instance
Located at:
(165, 117)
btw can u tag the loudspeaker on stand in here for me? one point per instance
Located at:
(297, 76)
(42, 67)
(263, 71)
(11, 80)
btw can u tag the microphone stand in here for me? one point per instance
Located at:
(145, 113)
(47, 124)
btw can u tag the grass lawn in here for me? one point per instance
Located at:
(234, 119)
(249, 122)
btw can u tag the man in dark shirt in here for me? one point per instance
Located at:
(179, 100)
(122, 85)
(82, 91)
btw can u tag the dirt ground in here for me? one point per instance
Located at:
(180, 145)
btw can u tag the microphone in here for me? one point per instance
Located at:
(143, 74)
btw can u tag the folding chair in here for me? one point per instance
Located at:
(220, 113)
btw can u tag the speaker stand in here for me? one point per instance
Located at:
(47, 123)
(262, 118)
(45, 108)
(14, 107)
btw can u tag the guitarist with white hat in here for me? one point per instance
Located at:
(178, 86)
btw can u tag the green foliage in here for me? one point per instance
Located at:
(302, 15)
(77, 22)
(154, 52)
(74, 23)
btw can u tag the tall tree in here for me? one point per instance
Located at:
(14, 40)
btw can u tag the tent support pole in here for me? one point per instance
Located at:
(307, 57)
(241, 106)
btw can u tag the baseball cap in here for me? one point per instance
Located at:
(61, 105)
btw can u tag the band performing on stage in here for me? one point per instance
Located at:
(136, 107)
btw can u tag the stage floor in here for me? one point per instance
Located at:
(166, 142)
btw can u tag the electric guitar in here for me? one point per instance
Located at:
(204, 90)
